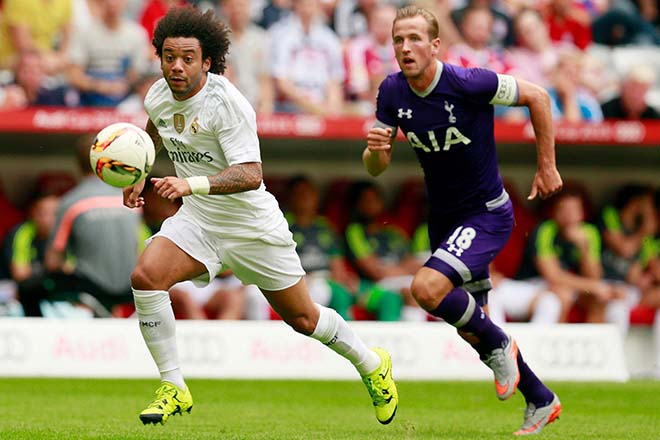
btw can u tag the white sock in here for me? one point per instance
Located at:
(332, 331)
(547, 309)
(156, 320)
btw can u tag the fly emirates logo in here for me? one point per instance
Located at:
(184, 154)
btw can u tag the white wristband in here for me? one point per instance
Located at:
(199, 184)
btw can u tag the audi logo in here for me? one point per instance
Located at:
(14, 346)
(572, 353)
(202, 348)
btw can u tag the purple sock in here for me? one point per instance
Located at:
(460, 309)
(531, 386)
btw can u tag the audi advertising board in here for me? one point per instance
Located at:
(253, 349)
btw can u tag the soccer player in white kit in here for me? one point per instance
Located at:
(228, 219)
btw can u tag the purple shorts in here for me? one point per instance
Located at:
(464, 247)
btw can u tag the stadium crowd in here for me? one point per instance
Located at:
(597, 58)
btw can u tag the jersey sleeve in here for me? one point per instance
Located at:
(357, 241)
(487, 87)
(610, 219)
(21, 244)
(544, 240)
(594, 240)
(236, 129)
(385, 116)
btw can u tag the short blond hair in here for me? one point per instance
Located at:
(413, 11)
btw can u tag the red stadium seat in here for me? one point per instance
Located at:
(642, 315)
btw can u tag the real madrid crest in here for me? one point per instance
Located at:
(194, 127)
(179, 122)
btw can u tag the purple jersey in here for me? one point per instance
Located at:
(450, 127)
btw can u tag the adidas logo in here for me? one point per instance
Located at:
(162, 123)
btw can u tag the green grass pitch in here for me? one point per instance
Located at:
(68, 409)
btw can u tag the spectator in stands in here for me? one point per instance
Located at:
(39, 89)
(25, 249)
(623, 24)
(27, 242)
(626, 225)
(108, 56)
(565, 252)
(475, 50)
(629, 227)
(569, 21)
(306, 63)
(380, 252)
(535, 56)
(99, 232)
(275, 11)
(36, 25)
(631, 102)
(154, 10)
(570, 100)
(328, 280)
(351, 17)
(369, 58)
(247, 62)
(502, 34)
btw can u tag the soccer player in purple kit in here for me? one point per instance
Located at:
(446, 113)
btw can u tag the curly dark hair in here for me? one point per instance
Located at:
(189, 22)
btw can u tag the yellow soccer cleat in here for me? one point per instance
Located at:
(170, 400)
(382, 388)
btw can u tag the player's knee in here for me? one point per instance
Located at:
(142, 279)
(425, 293)
(303, 324)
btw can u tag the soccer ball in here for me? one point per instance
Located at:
(122, 154)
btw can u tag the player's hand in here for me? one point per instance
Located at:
(170, 187)
(576, 235)
(379, 139)
(547, 182)
(132, 197)
(600, 290)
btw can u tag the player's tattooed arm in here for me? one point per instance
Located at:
(237, 178)
(152, 131)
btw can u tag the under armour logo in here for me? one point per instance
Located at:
(407, 113)
(450, 109)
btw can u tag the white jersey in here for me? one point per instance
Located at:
(205, 134)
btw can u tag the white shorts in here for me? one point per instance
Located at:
(270, 261)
